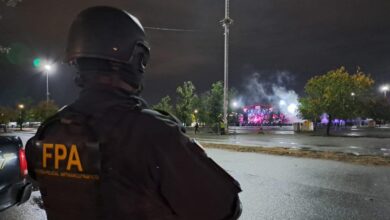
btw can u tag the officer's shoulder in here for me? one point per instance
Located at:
(55, 118)
(159, 115)
(162, 117)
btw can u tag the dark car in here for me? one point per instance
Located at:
(14, 186)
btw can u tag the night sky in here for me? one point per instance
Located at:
(301, 38)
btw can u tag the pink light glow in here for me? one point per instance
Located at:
(262, 114)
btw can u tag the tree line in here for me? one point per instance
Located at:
(27, 111)
(337, 93)
(343, 95)
(191, 107)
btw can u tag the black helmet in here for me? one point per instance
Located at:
(109, 35)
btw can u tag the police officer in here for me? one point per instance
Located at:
(107, 156)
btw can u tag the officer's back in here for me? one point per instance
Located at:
(106, 156)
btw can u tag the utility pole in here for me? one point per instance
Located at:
(47, 88)
(226, 22)
(384, 89)
(47, 69)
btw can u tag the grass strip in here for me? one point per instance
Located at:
(304, 153)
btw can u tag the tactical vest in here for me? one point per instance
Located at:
(67, 165)
(75, 160)
(68, 154)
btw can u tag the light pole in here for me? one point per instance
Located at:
(196, 121)
(384, 89)
(196, 115)
(226, 22)
(353, 100)
(235, 105)
(47, 69)
(21, 107)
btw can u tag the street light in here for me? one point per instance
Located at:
(353, 96)
(196, 115)
(384, 89)
(48, 68)
(234, 116)
(21, 107)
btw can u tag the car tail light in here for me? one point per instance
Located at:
(23, 163)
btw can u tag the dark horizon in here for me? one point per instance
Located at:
(301, 38)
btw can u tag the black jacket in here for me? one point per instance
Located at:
(107, 156)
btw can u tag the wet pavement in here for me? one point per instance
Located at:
(354, 131)
(277, 187)
(352, 145)
(31, 210)
(356, 141)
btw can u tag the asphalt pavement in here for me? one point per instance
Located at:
(352, 145)
(357, 141)
(31, 210)
(277, 187)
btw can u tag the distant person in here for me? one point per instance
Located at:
(107, 155)
(222, 126)
(196, 127)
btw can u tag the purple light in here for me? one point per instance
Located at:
(324, 119)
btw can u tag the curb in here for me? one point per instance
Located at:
(305, 153)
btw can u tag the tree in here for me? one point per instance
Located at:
(21, 115)
(185, 100)
(42, 111)
(378, 108)
(210, 104)
(164, 105)
(200, 104)
(215, 102)
(27, 103)
(335, 93)
(6, 115)
(308, 110)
